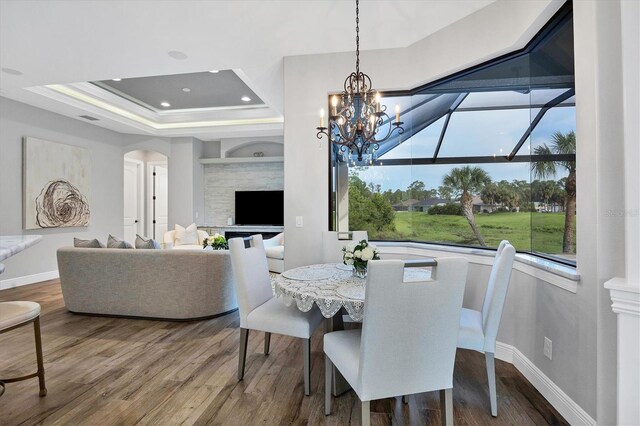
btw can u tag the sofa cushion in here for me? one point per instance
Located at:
(275, 252)
(186, 236)
(77, 242)
(146, 243)
(113, 242)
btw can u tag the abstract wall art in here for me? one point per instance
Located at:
(56, 184)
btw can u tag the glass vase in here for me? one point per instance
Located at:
(360, 271)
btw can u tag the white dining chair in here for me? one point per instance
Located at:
(407, 344)
(479, 329)
(333, 242)
(260, 310)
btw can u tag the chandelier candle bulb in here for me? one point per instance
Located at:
(334, 104)
(397, 113)
(322, 117)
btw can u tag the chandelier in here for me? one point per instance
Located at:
(356, 119)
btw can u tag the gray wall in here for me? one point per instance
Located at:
(18, 120)
(222, 180)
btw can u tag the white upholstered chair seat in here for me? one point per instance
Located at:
(14, 313)
(343, 348)
(470, 335)
(273, 316)
(275, 252)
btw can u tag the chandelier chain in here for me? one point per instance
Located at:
(357, 37)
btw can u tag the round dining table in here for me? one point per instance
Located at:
(332, 286)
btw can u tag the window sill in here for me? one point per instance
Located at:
(553, 273)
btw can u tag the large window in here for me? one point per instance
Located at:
(487, 154)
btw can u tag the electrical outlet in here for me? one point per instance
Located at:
(299, 222)
(548, 347)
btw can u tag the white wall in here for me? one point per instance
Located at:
(186, 202)
(222, 180)
(535, 308)
(18, 120)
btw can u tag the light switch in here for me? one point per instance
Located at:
(299, 222)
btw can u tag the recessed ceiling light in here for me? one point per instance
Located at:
(116, 79)
(11, 71)
(165, 104)
(186, 89)
(176, 54)
(245, 99)
(214, 71)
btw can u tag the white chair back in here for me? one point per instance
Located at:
(410, 330)
(332, 245)
(496, 294)
(251, 275)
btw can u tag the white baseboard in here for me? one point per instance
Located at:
(28, 279)
(566, 406)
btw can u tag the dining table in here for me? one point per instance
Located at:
(337, 292)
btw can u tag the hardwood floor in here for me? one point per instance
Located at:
(103, 371)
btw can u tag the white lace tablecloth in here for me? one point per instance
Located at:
(331, 287)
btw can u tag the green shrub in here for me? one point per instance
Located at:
(447, 209)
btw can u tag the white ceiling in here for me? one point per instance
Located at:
(63, 42)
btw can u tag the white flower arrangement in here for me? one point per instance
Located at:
(359, 253)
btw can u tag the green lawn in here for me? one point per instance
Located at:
(547, 229)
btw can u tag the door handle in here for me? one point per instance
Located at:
(135, 221)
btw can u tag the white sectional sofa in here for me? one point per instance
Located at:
(161, 284)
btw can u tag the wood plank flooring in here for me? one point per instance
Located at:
(114, 371)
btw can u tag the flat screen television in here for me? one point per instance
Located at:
(260, 208)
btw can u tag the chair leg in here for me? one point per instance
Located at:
(306, 354)
(267, 342)
(405, 399)
(328, 367)
(366, 413)
(446, 406)
(242, 353)
(491, 378)
(36, 330)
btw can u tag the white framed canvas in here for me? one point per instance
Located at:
(56, 184)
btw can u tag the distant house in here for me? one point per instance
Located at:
(480, 206)
(413, 205)
(426, 204)
(405, 205)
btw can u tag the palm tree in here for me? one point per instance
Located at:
(561, 144)
(467, 181)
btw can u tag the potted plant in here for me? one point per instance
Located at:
(359, 254)
(216, 242)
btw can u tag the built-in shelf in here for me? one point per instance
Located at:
(231, 160)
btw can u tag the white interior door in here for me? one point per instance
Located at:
(160, 208)
(132, 207)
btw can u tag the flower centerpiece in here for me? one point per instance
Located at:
(216, 242)
(359, 254)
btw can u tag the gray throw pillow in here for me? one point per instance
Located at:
(114, 242)
(146, 243)
(77, 242)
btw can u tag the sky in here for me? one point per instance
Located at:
(470, 133)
